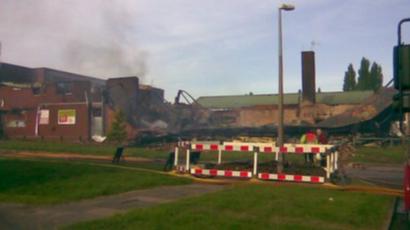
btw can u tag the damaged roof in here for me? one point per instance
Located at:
(238, 101)
(367, 110)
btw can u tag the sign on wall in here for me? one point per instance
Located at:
(44, 117)
(66, 116)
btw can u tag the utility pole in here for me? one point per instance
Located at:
(279, 141)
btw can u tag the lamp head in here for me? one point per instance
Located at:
(287, 7)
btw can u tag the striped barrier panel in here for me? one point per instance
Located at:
(301, 149)
(263, 148)
(222, 173)
(293, 178)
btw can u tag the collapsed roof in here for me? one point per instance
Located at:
(238, 101)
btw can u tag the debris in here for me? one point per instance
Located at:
(98, 138)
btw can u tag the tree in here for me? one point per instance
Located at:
(364, 79)
(118, 132)
(376, 76)
(349, 83)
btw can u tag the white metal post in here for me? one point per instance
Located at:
(176, 156)
(327, 166)
(219, 156)
(332, 162)
(255, 163)
(187, 159)
(336, 158)
(277, 155)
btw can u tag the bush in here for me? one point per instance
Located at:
(118, 132)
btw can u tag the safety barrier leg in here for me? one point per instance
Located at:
(255, 164)
(187, 160)
(277, 155)
(219, 156)
(332, 162)
(327, 166)
(176, 156)
(336, 158)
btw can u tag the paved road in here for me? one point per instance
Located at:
(17, 216)
(384, 175)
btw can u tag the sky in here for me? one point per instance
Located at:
(206, 47)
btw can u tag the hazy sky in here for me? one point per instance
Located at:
(207, 47)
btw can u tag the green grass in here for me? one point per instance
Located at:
(392, 155)
(108, 150)
(45, 182)
(259, 207)
(388, 155)
(91, 149)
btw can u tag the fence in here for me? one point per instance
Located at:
(327, 151)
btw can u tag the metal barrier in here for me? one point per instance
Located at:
(257, 148)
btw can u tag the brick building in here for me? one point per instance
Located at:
(52, 104)
(47, 103)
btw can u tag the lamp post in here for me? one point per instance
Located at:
(279, 142)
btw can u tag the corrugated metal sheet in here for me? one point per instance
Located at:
(237, 101)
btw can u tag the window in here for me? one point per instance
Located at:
(63, 88)
(16, 124)
(97, 112)
(36, 90)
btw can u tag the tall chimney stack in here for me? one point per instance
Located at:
(308, 77)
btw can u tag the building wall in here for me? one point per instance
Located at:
(15, 73)
(266, 115)
(123, 95)
(20, 106)
(256, 116)
(58, 130)
(20, 123)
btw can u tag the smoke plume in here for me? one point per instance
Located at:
(93, 37)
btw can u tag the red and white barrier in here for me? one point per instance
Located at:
(301, 149)
(257, 148)
(222, 173)
(293, 178)
(263, 147)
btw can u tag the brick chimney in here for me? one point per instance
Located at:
(308, 77)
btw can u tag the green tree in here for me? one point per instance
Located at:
(118, 132)
(349, 83)
(376, 76)
(364, 80)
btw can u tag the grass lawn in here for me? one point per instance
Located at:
(91, 149)
(45, 182)
(259, 207)
(388, 155)
(108, 150)
(392, 155)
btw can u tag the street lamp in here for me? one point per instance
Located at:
(279, 142)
